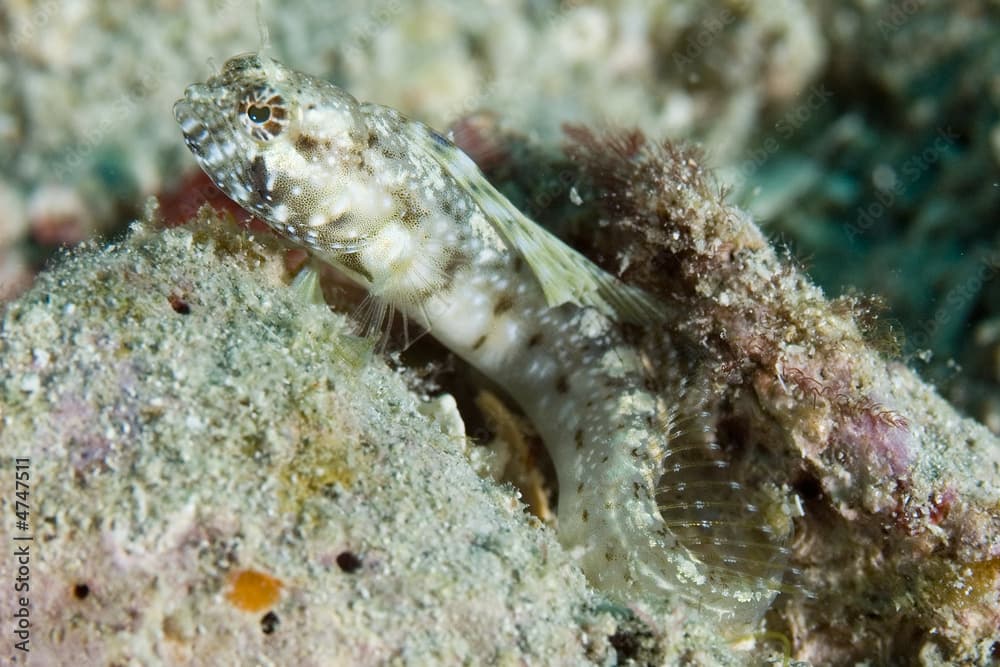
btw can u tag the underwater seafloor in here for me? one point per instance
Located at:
(220, 474)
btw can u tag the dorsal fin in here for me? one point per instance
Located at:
(565, 275)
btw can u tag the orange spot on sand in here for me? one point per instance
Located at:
(252, 590)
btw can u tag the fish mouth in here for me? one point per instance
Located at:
(183, 111)
(189, 112)
(184, 107)
(195, 132)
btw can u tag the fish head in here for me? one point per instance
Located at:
(282, 144)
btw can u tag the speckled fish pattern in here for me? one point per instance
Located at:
(406, 214)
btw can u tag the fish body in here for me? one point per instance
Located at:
(406, 214)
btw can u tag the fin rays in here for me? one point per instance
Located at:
(565, 275)
(717, 518)
(375, 318)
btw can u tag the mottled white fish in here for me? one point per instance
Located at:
(405, 213)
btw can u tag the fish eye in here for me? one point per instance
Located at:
(263, 113)
(258, 114)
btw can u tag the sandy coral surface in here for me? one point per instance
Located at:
(221, 473)
(215, 462)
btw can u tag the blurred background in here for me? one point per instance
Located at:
(864, 135)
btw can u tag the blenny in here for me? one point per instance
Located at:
(652, 518)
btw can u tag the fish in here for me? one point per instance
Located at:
(649, 509)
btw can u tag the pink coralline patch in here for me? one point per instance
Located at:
(943, 512)
(181, 203)
(295, 259)
(941, 504)
(883, 446)
(55, 230)
(58, 216)
(911, 514)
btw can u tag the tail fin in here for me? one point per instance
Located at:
(737, 534)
